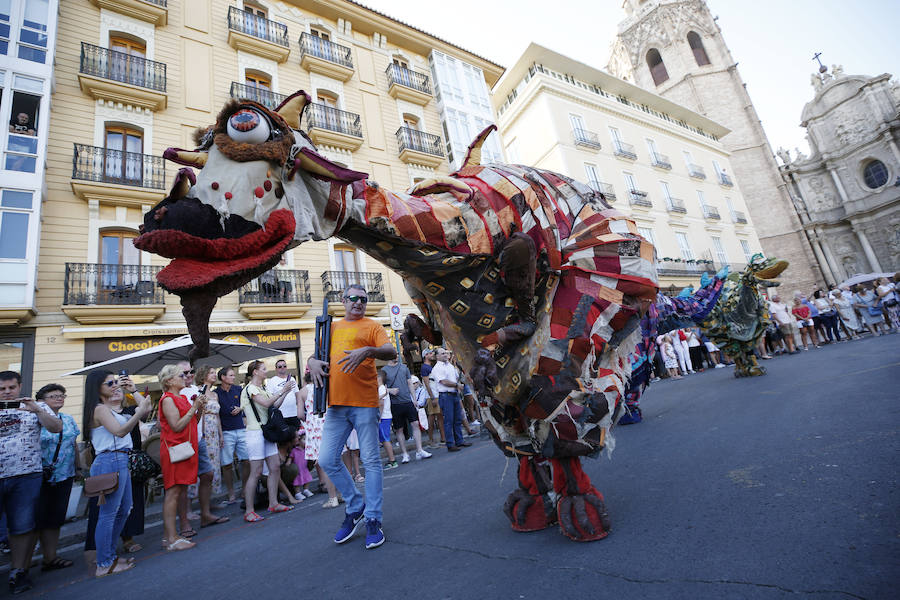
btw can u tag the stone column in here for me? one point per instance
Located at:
(837, 269)
(894, 148)
(838, 184)
(867, 248)
(823, 263)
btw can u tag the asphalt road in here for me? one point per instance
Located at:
(768, 487)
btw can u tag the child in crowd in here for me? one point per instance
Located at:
(384, 428)
(670, 358)
(298, 457)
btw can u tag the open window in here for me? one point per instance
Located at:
(22, 142)
(697, 48)
(657, 66)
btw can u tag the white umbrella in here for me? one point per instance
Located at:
(151, 360)
(865, 278)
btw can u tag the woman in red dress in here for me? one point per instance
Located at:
(177, 424)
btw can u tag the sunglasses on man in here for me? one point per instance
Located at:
(360, 299)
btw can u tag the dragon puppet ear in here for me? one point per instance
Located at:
(313, 162)
(291, 109)
(473, 156)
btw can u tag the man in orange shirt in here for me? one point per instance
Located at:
(353, 403)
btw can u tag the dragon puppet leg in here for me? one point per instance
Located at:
(582, 513)
(745, 364)
(531, 507)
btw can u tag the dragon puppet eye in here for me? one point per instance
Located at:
(248, 126)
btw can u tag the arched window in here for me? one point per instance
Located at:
(410, 121)
(697, 48)
(119, 267)
(657, 66)
(127, 64)
(123, 154)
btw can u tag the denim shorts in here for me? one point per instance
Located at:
(384, 430)
(204, 465)
(234, 442)
(18, 499)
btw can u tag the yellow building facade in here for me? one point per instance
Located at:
(134, 77)
(653, 159)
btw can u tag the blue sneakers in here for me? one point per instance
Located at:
(374, 534)
(349, 527)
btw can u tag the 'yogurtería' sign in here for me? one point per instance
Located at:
(105, 349)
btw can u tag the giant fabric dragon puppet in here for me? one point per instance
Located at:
(528, 276)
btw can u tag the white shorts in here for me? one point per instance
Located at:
(258, 447)
(352, 441)
(807, 323)
(711, 347)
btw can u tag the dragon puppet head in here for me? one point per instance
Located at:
(762, 270)
(262, 188)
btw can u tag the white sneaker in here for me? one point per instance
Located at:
(475, 423)
(299, 497)
(308, 493)
(405, 459)
(330, 503)
(423, 454)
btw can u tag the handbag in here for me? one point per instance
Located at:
(275, 429)
(141, 466)
(180, 452)
(875, 311)
(48, 469)
(101, 486)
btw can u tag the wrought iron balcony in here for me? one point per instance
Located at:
(684, 269)
(333, 119)
(624, 150)
(267, 98)
(711, 212)
(105, 165)
(675, 205)
(313, 45)
(407, 77)
(586, 138)
(661, 161)
(419, 141)
(696, 171)
(258, 27)
(608, 191)
(740, 217)
(161, 3)
(639, 198)
(725, 180)
(277, 286)
(122, 67)
(335, 282)
(92, 283)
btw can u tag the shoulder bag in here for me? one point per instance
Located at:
(275, 429)
(48, 469)
(179, 452)
(102, 485)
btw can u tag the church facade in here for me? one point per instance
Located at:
(847, 192)
(675, 49)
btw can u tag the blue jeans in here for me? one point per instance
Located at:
(452, 410)
(339, 422)
(114, 512)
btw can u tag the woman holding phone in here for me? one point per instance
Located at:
(177, 425)
(109, 431)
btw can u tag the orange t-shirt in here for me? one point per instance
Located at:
(359, 388)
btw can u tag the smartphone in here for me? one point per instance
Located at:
(123, 373)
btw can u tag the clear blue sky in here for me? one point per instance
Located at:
(772, 40)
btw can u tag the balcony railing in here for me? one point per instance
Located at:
(711, 212)
(91, 283)
(696, 171)
(122, 67)
(335, 282)
(608, 191)
(267, 98)
(105, 165)
(408, 77)
(332, 119)
(675, 205)
(661, 161)
(325, 49)
(624, 150)
(639, 198)
(685, 269)
(725, 180)
(586, 138)
(740, 217)
(277, 286)
(412, 139)
(161, 3)
(258, 27)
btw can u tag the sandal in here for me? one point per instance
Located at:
(187, 533)
(252, 517)
(280, 508)
(115, 567)
(56, 563)
(180, 544)
(132, 547)
(216, 521)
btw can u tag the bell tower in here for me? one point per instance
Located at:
(675, 48)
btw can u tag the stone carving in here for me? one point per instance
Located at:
(816, 81)
(851, 129)
(851, 265)
(837, 71)
(823, 199)
(800, 156)
(784, 155)
(892, 239)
